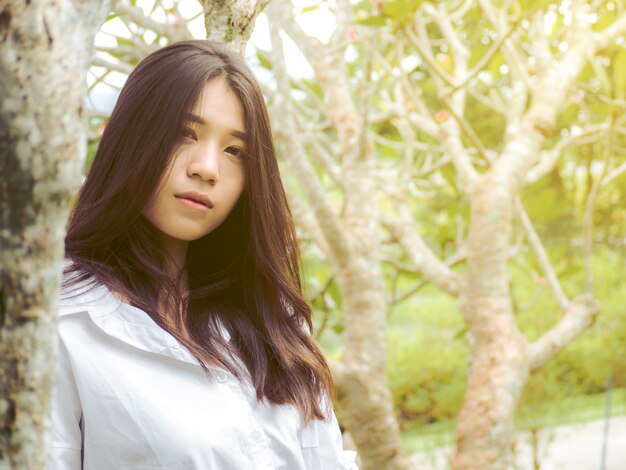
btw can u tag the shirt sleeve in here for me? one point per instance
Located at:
(65, 417)
(331, 446)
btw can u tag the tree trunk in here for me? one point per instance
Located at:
(499, 367)
(231, 22)
(45, 53)
(364, 401)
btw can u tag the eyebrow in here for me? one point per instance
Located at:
(195, 118)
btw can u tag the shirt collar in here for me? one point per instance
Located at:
(122, 321)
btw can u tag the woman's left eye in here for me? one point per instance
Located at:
(234, 151)
(189, 133)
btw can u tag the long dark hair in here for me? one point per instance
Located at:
(244, 276)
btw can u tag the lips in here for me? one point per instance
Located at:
(196, 197)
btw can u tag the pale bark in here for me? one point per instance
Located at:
(174, 31)
(502, 358)
(43, 63)
(231, 22)
(364, 402)
(616, 173)
(578, 316)
(424, 260)
(499, 368)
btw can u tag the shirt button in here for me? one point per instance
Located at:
(221, 378)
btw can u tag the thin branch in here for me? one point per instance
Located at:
(322, 327)
(588, 218)
(489, 103)
(135, 14)
(549, 158)
(451, 140)
(127, 53)
(407, 295)
(452, 261)
(322, 156)
(510, 53)
(613, 174)
(466, 128)
(606, 37)
(402, 229)
(539, 43)
(306, 220)
(580, 314)
(331, 227)
(343, 20)
(495, 47)
(99, 79)
(280, 13)
(542, 256)
(400, 267)
(427, 56)
(322, 290)
(121, 67)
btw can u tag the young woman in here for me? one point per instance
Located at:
(183, 333)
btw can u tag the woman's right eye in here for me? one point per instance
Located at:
(189, 133)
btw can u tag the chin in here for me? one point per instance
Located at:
(190, 237)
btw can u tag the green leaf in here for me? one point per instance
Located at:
(619, 74)
(124, 41)
(264, 60)
(461, 332)
(309, 9)
(401, 10)
(112, 16)
(373, 21)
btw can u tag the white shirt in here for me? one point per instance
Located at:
(129, 396)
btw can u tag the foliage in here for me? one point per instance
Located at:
(428, 366)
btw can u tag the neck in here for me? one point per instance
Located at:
(176, 253)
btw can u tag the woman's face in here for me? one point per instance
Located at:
(206, 176)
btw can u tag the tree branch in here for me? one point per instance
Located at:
(539, 43)
(174, 32)
(432, 268)
(542, 256)
(614, 174)
(484, 60)
(579, 315)
(451, 140)
(510, 53)
(588, 218)
(120, 67)
(339, 247)
(606, 37)
(549, 158)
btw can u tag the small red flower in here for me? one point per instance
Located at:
(351, 35)
(441, 115)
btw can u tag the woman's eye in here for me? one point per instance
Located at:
(234, 151)
(189, 133)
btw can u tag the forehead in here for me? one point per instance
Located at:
(219, 106)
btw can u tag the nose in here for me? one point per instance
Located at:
(205, 163)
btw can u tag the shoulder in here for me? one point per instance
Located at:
(82, 293)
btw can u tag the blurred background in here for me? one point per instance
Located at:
(395, 122)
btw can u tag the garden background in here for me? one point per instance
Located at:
(456, 173)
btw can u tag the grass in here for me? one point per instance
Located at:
(566, 411)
